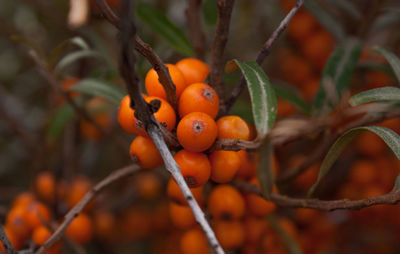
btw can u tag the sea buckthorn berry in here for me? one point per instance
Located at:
(199, 97)
(80, 229)
(230, 234)
(181, 216)
(197, 132)
(104, 224)
(17, 222)
(224, 165)
(35, 213)
(258, 205)
(129, 123)
(148, 185)
(146, 153)
(15, 241)
(40, 235)
(91, 132)
(233, 127)
(318, 47)
(78, 188)
(255, 228)
(225, 202)
(155, 88)
(194, 70)
(175, 193)
(194, 242)
(24, 200)
(195, 167)
(45, 185)
(302, 25)
(248, 164)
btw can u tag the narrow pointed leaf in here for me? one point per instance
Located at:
(102, 88)
(210, 12)
(162, 26)
(393, 60)
(336, 76)
(74, 56)
(378, 94)
(328, 21)
(286, 93)
(264, 171)
(391, 138)
(262, 96)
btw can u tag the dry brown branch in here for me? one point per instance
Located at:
(77, 209)
(217, 49)
(262, 54)
(193, 15)
(6, 242)
(391, 198)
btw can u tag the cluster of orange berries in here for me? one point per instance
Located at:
(31, 217)
(196, 132)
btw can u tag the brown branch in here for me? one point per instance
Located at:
(6, 242)
(391, 198)
(197, 36)
(217, 50)
(144, 49)
(77, 209)
(262, 54)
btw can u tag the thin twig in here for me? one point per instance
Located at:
(6, 242)
(77, 209)
(144, 49)
(197, 36)
(391, 198)
(262, 54)
(225, 8)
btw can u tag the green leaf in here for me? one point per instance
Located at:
(264, 170)
(289, 242)
(210, 12)
(393, 60)
(331, 23)
(391, 138)
(336, 76)
(262, 95)
(287, 93)
(102, 88)
(57, 123)
(370, 65)
(162, 26)
(378, 94)
(386, 18)
(74, 56)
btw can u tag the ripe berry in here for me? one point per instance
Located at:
(233, 127)
(224, 165)
(80, 229)
(40, 235)
(24, 200)
(78, 188)
(175, 193)
(16, 241)
(17, 222)
(195, 167)
(197, 132)
(199, 97)
(194, 242)
(129, 123)
(193, 70)
(230, 234)
(181, 216)
(35, 213)
(155, 88)
(258, 205)
(225, 202)
(45, 185)
(146, 153)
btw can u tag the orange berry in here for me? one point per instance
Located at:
(199, 97)
(254, 228)
(148, 185)
(224, 165)
(247, 167)
(40, 235)
(135, 223)
(197, 132)
(45, 185)
(181, 216)
(226, 202)
(16, 222)
(77, 190)
(104, 224)
(147, 154)
(370, 144)
(175, 193)
(195, 167)
(302, 25)
(129, 123)
(258, 205)
(230, 234)
(363, 172)
(318, 47)
(194, 242)
(80, 229)
(194, 70)
(24, 200)
(15, 241)
(285, 108)
(294, 68)
(35, 213)
(233, 127)
(90, 131)
(155, 88)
